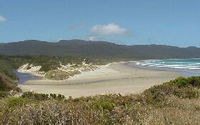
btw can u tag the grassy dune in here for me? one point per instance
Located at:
(48, 65)
(174, 102)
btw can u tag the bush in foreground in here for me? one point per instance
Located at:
(174, 102)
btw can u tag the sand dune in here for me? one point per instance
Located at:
(112, 78)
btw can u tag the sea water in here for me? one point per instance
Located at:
(188, 67)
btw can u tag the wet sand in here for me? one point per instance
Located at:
(112, 78)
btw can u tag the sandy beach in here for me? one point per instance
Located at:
(112, 78)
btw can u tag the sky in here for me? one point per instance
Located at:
(130, 22)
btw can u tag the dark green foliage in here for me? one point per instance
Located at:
(60, 97)
(186, 82)
(57, 97)
(180, 87)
(37, 96)
(9, 63)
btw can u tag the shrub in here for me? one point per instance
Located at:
(12, 102)
(60, 97)
(57, 75)
(35, 96)
(105, 105)
(180, 87)
(40, 97)
(181, 82)
(186, 82)
(186, 93)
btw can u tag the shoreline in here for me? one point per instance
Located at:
(117, 77)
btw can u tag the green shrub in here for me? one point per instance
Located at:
(181, 82)
(15, 102)
(40, 97)
(105, 105)
(35, 96)
(60, 97)
(186, 82)
(57, 75)
(194, 81)
(180, 87)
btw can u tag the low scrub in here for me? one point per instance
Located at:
(60, 75)
(40, 97)
(180, 87)
(174, 102)
(56, 75)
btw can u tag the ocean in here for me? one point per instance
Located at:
(188, 67)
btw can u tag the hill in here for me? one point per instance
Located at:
(96, 49)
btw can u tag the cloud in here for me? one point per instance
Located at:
(2, 19)
(109, 29)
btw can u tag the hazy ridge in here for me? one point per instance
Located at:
(96, 49)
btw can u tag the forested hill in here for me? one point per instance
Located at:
(96, 49)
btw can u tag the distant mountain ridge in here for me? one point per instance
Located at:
(96, 49)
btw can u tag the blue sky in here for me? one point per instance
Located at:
(169, 22)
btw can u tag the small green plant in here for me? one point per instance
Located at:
(105, 105)
(16, 101)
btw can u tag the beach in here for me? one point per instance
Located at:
(108, 79)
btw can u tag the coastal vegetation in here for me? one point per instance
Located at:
(56, 68)
(52, 67)
(173, 102)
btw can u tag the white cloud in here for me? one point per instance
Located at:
(109, 29)
(2, 19)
